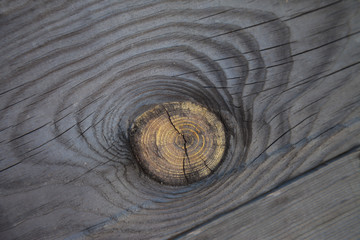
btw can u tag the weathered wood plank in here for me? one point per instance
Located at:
(283, 77)
(323, 203)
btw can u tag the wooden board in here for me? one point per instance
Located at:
(283, 77)
(323, 203)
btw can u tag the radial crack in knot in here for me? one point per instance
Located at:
(188, 154)
(185, 143)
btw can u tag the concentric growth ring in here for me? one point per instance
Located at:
(178, 142)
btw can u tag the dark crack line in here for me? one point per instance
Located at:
(185, 142)
(173, 124)
(212, 171)
(186, 178)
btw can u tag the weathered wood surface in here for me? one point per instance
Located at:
(283, 76)
(323, 203)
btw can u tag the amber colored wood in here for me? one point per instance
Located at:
(178, 143)
(281, 76)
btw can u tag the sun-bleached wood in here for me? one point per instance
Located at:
(283, 77)
(321, 204)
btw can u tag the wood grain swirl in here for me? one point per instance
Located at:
(281, 77)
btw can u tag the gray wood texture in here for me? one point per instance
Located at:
(321, 204)
(282, 75)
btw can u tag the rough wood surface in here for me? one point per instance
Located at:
(323, 203)
(282, 75)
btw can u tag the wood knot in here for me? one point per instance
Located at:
(178, 143)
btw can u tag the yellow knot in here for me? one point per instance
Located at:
(178, 142)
